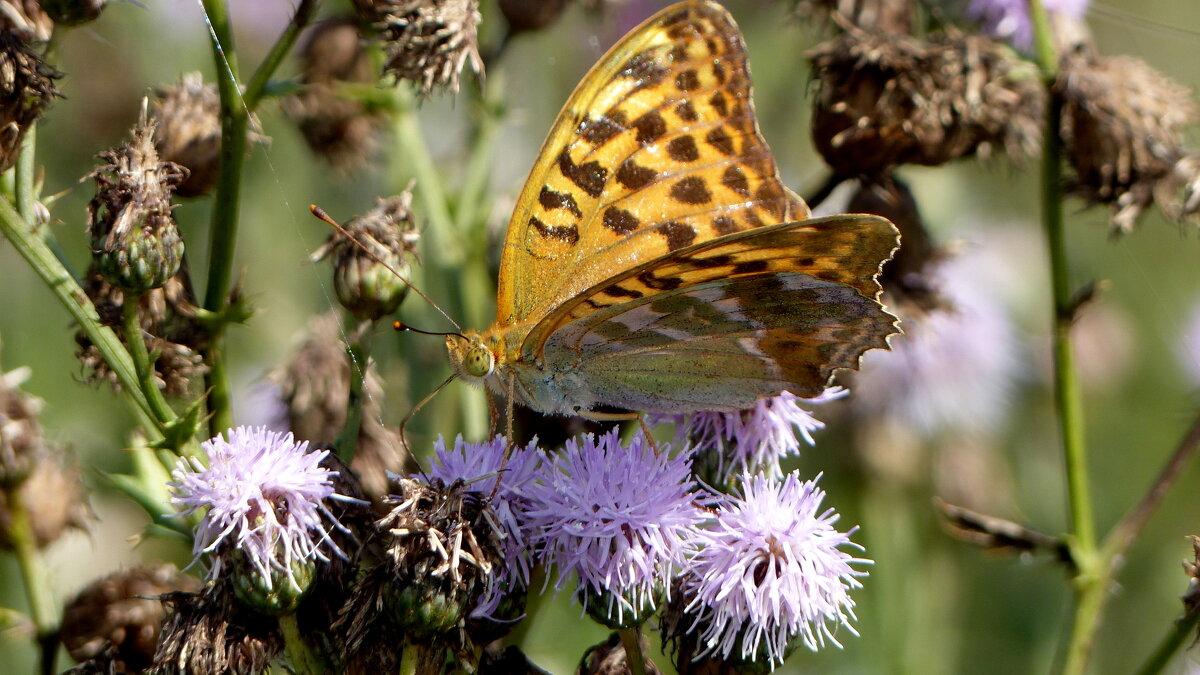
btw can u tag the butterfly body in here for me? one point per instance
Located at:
(656, 263)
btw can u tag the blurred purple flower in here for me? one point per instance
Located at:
(619, 518)
(481, 465)
(265, 492)
(770, 569)
(1010, 20)
(752, 440)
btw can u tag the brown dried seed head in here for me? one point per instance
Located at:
(886, 16)
(26, 89)
(53, 496)
(188, 131)
(885, 100)
(27, 19)
(73, 12)
(426, 41)
(1123, 124)
(22, 446)
(208, 632)
(120, 615)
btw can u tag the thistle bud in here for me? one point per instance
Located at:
(188, 131)
(26, 89)
(369, 263)
(635, 610)
(135, 243)
(73, 12)
(277, 595)
(118, 618)
(426, 41)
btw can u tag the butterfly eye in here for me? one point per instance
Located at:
(479, 361)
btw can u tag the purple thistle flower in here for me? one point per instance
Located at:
(752, 440)
(770, 569)
(265, 492)
(1010, 20)
(481, 465)
(618, 518)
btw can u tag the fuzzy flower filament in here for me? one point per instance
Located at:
(262, 494)
(770, 569)
(617, 517)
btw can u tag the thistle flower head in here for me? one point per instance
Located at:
(752, 440)
(616, 517)
(770, 569)
(263, 496)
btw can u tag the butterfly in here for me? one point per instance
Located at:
(656, 263)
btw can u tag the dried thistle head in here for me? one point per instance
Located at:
(22, 446)
(168, 318)
(135, 242)
(427, 42)
(188, 131)
(340, 128)
(314, 383)
(1123, 124)
(530, 15)
(368, 282)
(118, 617)
(27, 19)
(26, 89)
(209, 632)
(53, 496)
(73, 12)
(885, 100)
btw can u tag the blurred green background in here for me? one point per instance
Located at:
(931, 604)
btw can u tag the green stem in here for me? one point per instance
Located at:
(1092, 580)
(358, 351)
(67, 290)
(26, 169)
(1184, 630)
(300, 657)
(279, 51)
(409, 659)
(35, 574)
(223, 230)
(634, 658)
(142, 362)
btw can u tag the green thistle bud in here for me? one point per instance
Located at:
(135, 243)
(367, 270)
(278, 595)
(426, 608)
(602, 608)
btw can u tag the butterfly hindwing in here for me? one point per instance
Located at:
(656, 150)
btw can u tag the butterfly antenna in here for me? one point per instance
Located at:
(400, 327)
(321, 215)
(428, 397)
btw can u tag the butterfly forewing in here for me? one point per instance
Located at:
(656, 150)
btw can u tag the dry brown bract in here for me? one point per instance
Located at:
(26, 89)
(426, 41)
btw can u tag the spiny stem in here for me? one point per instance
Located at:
(136, 342)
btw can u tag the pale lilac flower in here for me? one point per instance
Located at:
(1010, 20)
(771, 568)
(263, 494)
(481, 465)
(619, 518)
(752, 440)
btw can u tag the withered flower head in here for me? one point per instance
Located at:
(168, 320)
(26, 89)
(208, 632)
(368, 282)
(73, 12)
(337, 127)
(27, 19)
(21, 444)
(118, 617)
(1123, 124)
(530, 15)
(884, 100)
(443, 553)
(135, 243)
(53, 496)
(886, 16)
(426, 41)
(188, 131)
(314, 384)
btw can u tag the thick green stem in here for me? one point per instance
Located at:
(42, 261)
(142, 362)
(26, 169)
(409, 659)
(300, 656)
(1092, 581)
(35, 577)
(634, 658)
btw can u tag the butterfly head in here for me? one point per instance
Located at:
(472, 359)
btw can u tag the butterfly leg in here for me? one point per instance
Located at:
(597, 416)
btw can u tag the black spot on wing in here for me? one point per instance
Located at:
(564, 233)
(589, 176)
(677, 234)
(683, 149)
(550, 200)
(691, 190)
(620, 221)
(633, 176)
(650, 127)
